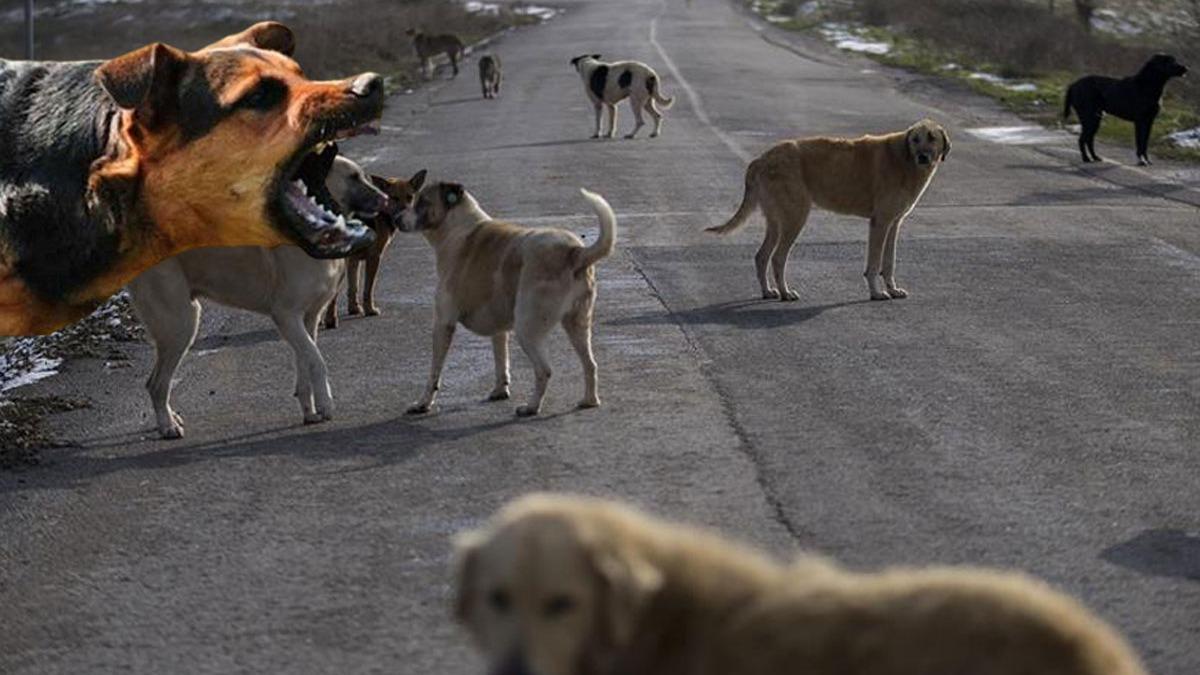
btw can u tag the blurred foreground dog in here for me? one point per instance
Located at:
(496, 277)
(1137, 98)
(875, 177)
(608, 84)
(557, 585)
(284, 283)
(108, 168)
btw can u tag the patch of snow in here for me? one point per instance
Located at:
(23, 363)
(777, 18)
(1002, 82)
(1021, 135)
(1189, 138)
(844, 37)
(477, 7)
(542, 13)
(951, 66)
(1108, 21)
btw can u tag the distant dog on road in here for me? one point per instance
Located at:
(608, 84)
(1137, 99)
(490, 75)
(496, 277)
(558, 585)
(284, 283)
(876, 177)
(429, 46)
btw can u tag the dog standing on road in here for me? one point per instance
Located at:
(1137, 98)
(556, 585)
(496, 277)
(608, 84)
(429, 46)
(875, 177)
(284, 283)
(490, 75)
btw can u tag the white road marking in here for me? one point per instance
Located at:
(691, 94)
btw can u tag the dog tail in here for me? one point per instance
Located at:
(749, 203)
(1067, 104)
(655, 93)
(603, 246)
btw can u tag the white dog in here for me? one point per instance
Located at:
(284, 283)
(608, 84)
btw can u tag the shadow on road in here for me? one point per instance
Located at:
(247, 339)
(545, 144)
(744, 314)
(1159, 553)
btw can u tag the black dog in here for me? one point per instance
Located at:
(1136, 99)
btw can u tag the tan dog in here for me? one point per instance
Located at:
(428, 46)
(496, 277)
(558, 585)
(876, 177)
(491, 74)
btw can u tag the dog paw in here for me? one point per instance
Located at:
(373, 311)
(897, 293)
(770, 294)
(588, 403)
(498, 395)
(354, 310)
(880, 295)
(528, 411)
(171, 433)
(313, 418)
(654, 135)
(789, 296)
(1144, 161)
(418, 409)
(595, 136)
(330, 324)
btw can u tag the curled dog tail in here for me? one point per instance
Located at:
(655, 93)
(603, 246)
(749, 203)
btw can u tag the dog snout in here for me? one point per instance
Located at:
(923, 159)
(367, 85)
(513, 665)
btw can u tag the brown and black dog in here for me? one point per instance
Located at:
(400, 194)
(110, 167)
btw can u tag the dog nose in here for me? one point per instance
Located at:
(367, 85)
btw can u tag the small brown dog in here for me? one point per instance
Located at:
(876, 177)
(400, 195)
(496, 277)
(490, 75)
(559, 585)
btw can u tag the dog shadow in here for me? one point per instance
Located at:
(757, 314)
(1160, 553)
(247, 339)
(456, 101)
(546, 144)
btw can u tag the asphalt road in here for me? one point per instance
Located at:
(1033, 405)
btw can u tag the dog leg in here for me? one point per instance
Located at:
(172, 340)
(763, 258)
(534, 316)
(1087, 137)
(500, 354)
(889, 263)
(578, 325)
(353, 270)
(656, 116)
(369, 285)
(443, 334)
(1142, 138)
(790, 221)
(612, 119)
(637, 117)
(599, 117)
(312, 375)
(876, 242)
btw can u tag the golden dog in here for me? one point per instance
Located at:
(876, 177)
(558, 585)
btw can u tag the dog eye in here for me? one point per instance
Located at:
(267, 94)
(557, 606)
(499, 601)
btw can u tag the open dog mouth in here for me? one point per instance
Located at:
(303, 205)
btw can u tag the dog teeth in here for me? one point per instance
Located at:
(340, 222)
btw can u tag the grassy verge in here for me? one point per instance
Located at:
(1040, 95)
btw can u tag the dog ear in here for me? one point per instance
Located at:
(452, 194)
(143, 80)
(466, 565)
(629, 582)
(417, 180)
(270, 35)
(945, 143)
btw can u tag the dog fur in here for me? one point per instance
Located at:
(491, 74)
(111, 167)
(400, 193)
(495, 278)
(1137, 98)
(284, 283)
(876, 177)
(428, 46)
(607, 84)
(557, 585)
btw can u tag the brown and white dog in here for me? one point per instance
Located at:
(495, 278)
(110, 167)
(608, 84)
(558, 585)
(875, 177)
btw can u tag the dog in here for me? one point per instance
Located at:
(400, 193)
(429, 46)
(1137, 99)
(284, 283)
(490, 75)
(556, 585)
(876, 177)
(110, 167)
(607, 84)
(496, 277)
